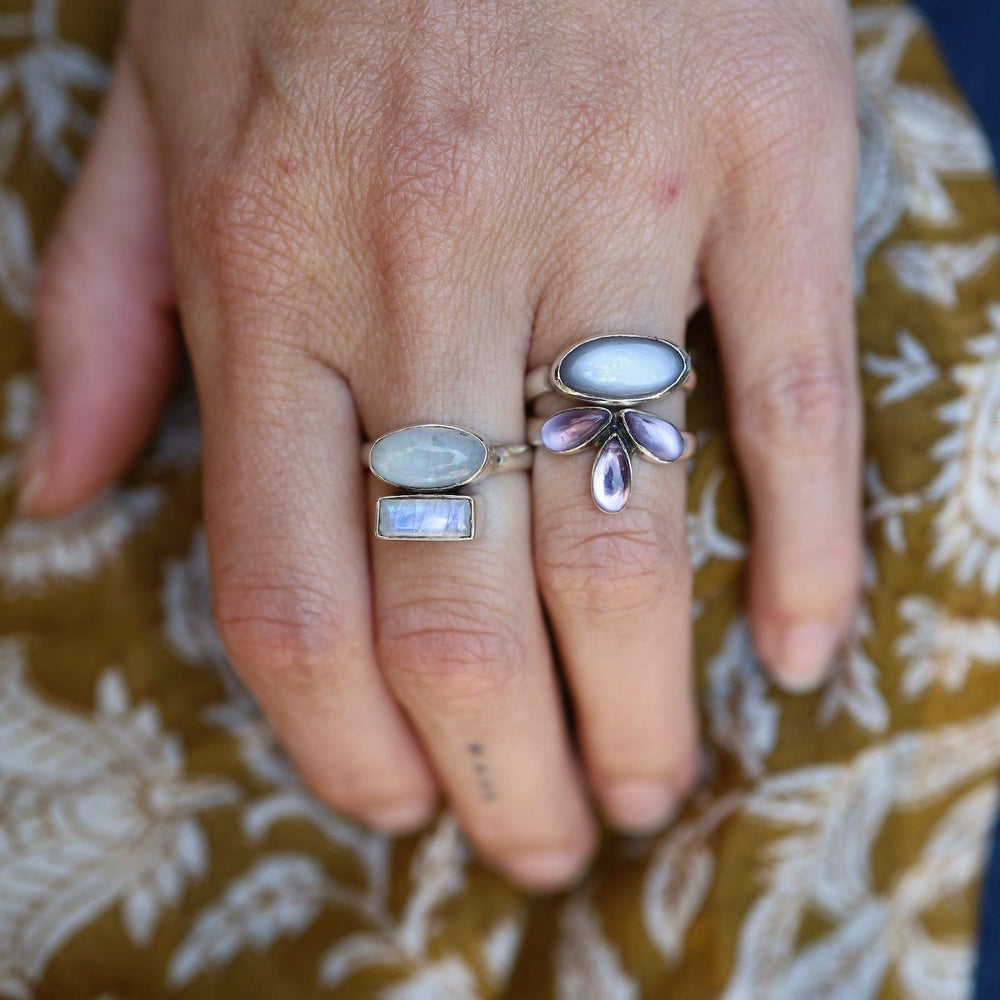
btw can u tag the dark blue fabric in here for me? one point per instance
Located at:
(988, 971)
(969, 33)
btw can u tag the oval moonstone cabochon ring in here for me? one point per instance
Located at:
(612, 374)
(430, 461)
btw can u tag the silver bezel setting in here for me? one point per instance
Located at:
(450, 497)
(489, 460)
(560, 386)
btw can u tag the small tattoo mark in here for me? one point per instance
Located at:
(484, 783)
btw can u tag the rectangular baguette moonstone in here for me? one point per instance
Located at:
(425, 518)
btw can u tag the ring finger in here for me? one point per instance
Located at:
(460, 634)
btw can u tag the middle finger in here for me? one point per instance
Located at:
(617, 586)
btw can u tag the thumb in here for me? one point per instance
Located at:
(104, 309)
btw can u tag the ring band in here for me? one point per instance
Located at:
(430, 462)
(607, 377)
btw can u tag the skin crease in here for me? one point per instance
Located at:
(372, 215)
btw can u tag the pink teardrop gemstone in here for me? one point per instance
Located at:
(612, 480)
(574, 428)
(652, 434)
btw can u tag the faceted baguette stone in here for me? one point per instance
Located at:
(428, 457)
(658, 437)
(422, 518)
(573, 429)
(612, 480)
(621, 368)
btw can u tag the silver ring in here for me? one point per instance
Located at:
(619, 369)
(610, 375)
(430, 462)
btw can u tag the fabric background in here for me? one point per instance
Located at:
(154, 842)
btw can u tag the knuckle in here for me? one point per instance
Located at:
(616, 573)
(440, 158)
(462, 649)
(604, 142)
(246, 232)
(285, 635)
(806, 402)
(783, 92)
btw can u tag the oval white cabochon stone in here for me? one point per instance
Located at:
(428, 457)
(621, 368)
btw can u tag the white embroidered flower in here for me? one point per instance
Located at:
(449, 979)
(889, 509)
(928, 137)
(437, 874)
(34, 554)
(706, 539)
(680, 875)
(187, 607)
(911, 370)
(940, 647)
(935, 270)
(967, 525)
(94, 812)
(46, 74)
(881, 195)
(853, 689)
(499, 950)
(20, 396)
(18, 264)
(829, 818)
(741, 717)
(587, 966)
(280, 895)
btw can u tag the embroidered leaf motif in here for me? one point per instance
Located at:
(741, 716)
(587, 966)
(280, 895)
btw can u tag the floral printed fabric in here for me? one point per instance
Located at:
(154, 842)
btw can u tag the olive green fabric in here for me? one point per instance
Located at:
(154, 843)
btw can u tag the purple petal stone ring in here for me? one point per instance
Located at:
(609, 376)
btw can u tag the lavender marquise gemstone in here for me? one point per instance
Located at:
(658, 437)
(573, 429)
(612, 479)
(425, 518)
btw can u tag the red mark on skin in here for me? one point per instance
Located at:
(288, 166)
(666, 190)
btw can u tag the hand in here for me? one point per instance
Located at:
(377, 214)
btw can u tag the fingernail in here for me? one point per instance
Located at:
(33, 471)
(402, 817)
(639, 805)
(546, 869)
(807, 651)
